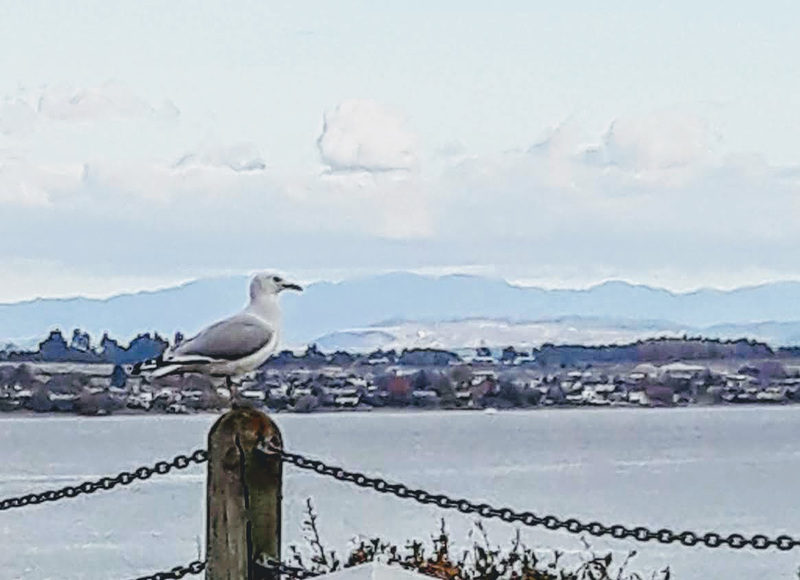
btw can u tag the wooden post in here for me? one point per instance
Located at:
(244, 496)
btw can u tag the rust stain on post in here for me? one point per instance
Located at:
(244, 496)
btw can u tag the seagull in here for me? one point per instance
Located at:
(231, 347)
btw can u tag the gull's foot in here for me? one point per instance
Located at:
(233, 387)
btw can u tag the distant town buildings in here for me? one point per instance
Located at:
(313, 381)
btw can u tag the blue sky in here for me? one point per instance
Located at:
(562, 144)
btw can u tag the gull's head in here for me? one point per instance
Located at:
(269, 284)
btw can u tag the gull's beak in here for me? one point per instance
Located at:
(291, 286)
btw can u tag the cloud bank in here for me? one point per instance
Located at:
(651, 193)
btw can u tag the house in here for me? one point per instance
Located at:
(8, 402)
(679, 370)
(62, 401)
(140, 401)
(98, 383)
(399, 388)
(343, 391)
(574, 398)
(22, 394)
(191, 395)
(301, 392)
(347, 401)
(748, 395)
(592, 398)
(738, 381)
(556, 395)
(483, 388)
(277, 391)
(135, 384)
(659, 395)
(464, 397)
(425, 398)
(605, 388)
(523, 360)
(164, 393)
(644, 371)
(773, 395)
(253, 395)
(638, 396)
(357, 381)
(177, 409)
(480, 375)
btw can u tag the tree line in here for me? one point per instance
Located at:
(55, 348)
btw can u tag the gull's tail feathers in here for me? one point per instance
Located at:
(163, 366)
(147, 366)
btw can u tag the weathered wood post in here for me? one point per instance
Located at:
(243, 520)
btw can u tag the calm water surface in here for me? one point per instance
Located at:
(721, 469)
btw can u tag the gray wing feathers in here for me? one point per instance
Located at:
(231, 339)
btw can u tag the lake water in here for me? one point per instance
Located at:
(721, 469)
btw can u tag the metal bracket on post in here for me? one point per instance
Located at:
(244, 497)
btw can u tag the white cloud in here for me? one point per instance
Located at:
(26, 109)
(207, 194)
(647, 185)
(559, 156)
(364, 135)
(385, 205)
(16, 115)
(646, 197)
(193, 182)
(658, 141)
(24, 279)
(660, 149)
(241, 157)
(26, 184)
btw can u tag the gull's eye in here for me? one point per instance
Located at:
(277, 279)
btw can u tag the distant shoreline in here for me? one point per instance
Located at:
(26, 415)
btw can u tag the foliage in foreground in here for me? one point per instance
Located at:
(480, 561)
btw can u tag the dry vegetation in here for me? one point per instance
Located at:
(482, 560)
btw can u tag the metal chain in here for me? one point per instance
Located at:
(105, 483)
(575, 526)
(197, 567)
(280, 569)
(177, 572)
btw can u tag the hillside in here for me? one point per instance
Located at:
(766, 312)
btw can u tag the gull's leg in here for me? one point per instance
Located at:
(233, 387)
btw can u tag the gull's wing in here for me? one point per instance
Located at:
(230, 339)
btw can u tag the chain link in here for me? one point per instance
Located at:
(177, 572)
(196, 567)
(278, 569)
(106, 483)
(575, 526)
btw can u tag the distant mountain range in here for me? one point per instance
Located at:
(388, 307)
(475, 332)
(472, 333)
